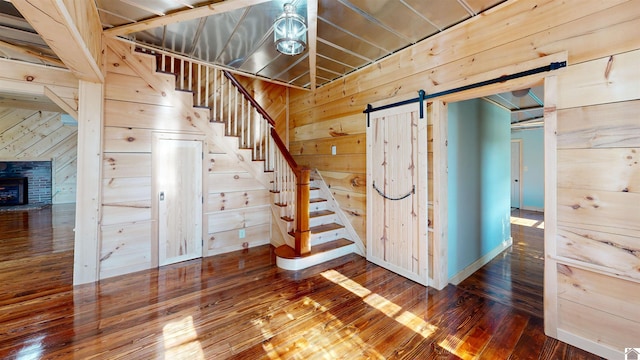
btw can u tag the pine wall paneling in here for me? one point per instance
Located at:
(137, 106)
(590, 32)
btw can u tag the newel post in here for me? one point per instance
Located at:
(302, 234)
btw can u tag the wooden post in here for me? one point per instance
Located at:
(88, 196)
(302, 234)
(440, 191)
(550, 206)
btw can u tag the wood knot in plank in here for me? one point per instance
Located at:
(131, 139)
(335, 133)
(607, 70)
(29, 78)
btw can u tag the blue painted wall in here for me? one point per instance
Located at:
(532, 168)
(479, 180)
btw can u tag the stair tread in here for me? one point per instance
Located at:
(287, 252)
(317, 200)
(325, 227)
(314, 188)
(315, 214)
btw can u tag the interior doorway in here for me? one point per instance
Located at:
(516, 174)
(487, 229)
(178, 183)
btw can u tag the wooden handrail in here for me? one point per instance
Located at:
(248, 96)
(285, 152)
(302, 233)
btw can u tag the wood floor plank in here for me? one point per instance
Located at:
(240, 306)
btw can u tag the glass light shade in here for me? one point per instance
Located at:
(290, 32)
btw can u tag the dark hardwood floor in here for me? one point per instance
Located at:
(240, 306)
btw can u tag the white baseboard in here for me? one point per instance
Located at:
(532, 208)
(466, 272)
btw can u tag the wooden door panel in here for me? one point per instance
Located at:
(397, 192)
(179, 185)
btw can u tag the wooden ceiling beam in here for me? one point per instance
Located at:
(312, 34)
(31, 53)
(71, 29)
(184, 15)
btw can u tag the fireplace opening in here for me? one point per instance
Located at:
(13, 191)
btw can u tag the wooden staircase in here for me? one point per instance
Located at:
(329, 237)
(311, 223)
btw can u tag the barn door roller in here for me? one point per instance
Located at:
(422, 97)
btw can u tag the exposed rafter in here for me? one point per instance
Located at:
(184, 15)
(31, 52)
(70, 32)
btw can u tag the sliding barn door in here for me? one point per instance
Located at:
(397, 191)
(178, 184)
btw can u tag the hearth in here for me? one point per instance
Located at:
(13, 191)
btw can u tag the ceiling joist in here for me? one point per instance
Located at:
(184, 15)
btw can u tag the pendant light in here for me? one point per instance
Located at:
(290, 31)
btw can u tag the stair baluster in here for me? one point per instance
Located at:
(231, 103)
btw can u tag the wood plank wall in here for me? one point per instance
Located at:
(602, 79)
(134, 110)
(597, 252)
(40, 135)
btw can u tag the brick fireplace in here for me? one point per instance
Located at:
(25, 182)
(14, 191)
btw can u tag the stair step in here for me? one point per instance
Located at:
(314, 188)
(287, 252)
(330, 245)
(325, 228)
(317, 200)
(319, 213)
(287, 218)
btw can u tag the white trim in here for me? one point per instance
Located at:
(315, 259)
(532, 208)
(466, 272)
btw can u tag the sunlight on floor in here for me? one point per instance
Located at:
(181, 340)
(539, 224)
(325, 335)
(32, 350)
(452, 344)
(387, 307)
(328, 339)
